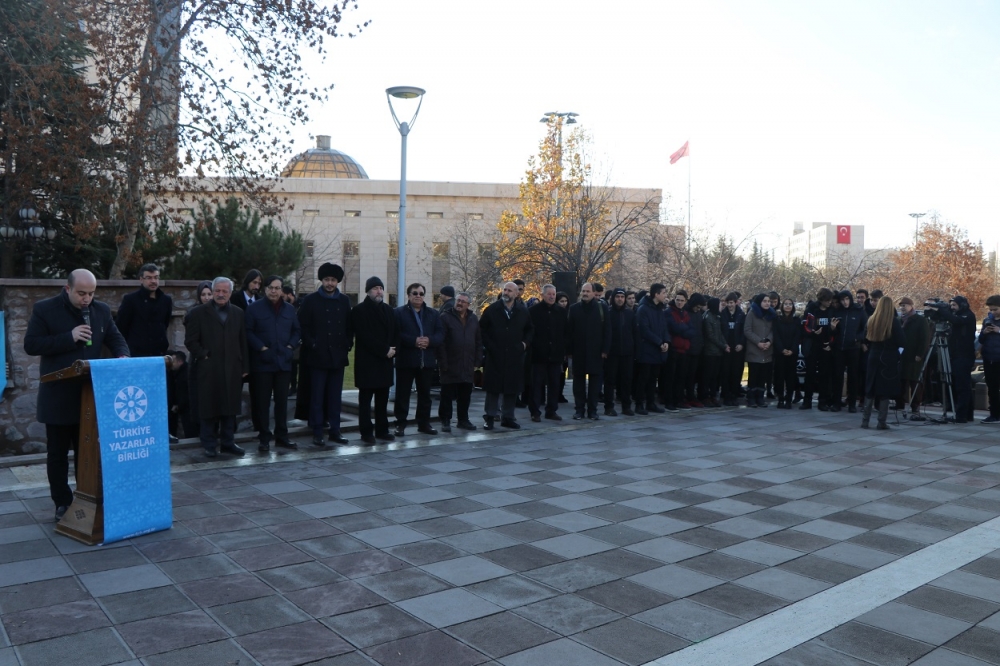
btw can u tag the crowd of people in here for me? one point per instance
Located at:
(643, 352)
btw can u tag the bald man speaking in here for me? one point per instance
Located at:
(63, 329)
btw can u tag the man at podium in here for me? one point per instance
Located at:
(64, 329)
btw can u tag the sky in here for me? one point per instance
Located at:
(846, 111)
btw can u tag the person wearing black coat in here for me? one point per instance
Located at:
(885, 337)
(548, 352)
(58, 332)
(696, 306)
(249, 290)
(216, 336)
(818, 330)
(652, 342)
(507, 332)
(324, 322)
(962, 350)
(144, 315)
(621, 357)
(711, 357)
(786, 333)
(420, 336)
(273, 334)
(731, 319)
(848, 342)
(588, 331)
(376, 336)
(179, 396)
(459, 355)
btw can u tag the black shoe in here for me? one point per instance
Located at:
(210, 452)
(806, 405)
(656, 409)
(337, 439)
(233, 448)
(263, 448)
(627, 412)
(286, 445)
(670, 408)
(510, 423)
(318, 441)
(823, 408)
(173, 439)
(884, 426)
(466, 425)
(400, 431)
(594, 417)
(520, 404)
(852, 409)
(537, 418)
(577, 416)
(427, 430)
(640, 410)
(835, 408)
(780, 405)
(60, 512)
(562, 399)
(369, 440)
(488, 423)
(553, 417)
(385, 437)
(445, 427)
(610, 411)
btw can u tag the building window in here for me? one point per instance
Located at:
(310, 246)
(487, 250)
(392, 214)
(475, 216)
(441, 250)
(352, 249)
(352, 213)
(310, 213)
(435, 216)
(393, 250)
(654, 256)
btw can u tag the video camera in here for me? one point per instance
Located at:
(932, 308)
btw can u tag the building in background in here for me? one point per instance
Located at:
(823, 244)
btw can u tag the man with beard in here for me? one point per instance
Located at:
(216, 336)
(144, 315)
(249, 290)
(507, 331)
(272, 335)
(420, 334)
(962, 350)
(376, 336)
(548, 350)
(588, 331)
(621, 354)
(326, 343)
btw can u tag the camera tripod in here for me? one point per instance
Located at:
(939, 349)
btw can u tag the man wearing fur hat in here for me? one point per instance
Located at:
(326, 342)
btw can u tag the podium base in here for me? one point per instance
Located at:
(83, 522)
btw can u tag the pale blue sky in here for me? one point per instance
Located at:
(847, 111)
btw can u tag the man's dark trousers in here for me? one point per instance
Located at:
(586, 390)
(618, 381)
(460, 392)
(365, 396)
(265, 385)
(215, 430)
(404, 384)
(645, 395)
(545, 375)
(61, 440)
(326, 386)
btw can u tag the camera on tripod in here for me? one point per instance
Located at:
(932, 310)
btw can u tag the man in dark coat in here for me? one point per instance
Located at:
(272, 336)
(548, 351)
(64, 329)
(144, 315)
(653, 344)
(420, 335)
(962, 349)
(621, 356)
(376, 335)
(989, 339)
(249, 290)
(911, 364)
(448, 294)
(731, 319)
(507, 331)
(849, 336)
(217, 338)
(588, 331)
(324, 317)
(460, 353)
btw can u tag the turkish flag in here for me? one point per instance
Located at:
(681, 152)
(844, 234)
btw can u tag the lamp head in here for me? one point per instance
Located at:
(405, 92)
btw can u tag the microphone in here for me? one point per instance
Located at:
(86, 320)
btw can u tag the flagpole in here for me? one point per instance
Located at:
(689, 200)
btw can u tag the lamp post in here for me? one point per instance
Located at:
(30, 229)
(916, 231)
(569, 118)
(403, 92)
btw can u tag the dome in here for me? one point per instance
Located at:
(323, 162)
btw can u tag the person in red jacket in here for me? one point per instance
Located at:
(678, 366)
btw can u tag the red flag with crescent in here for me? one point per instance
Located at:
(844, 234)
(681, 152)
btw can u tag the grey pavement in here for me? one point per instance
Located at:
(623, 541)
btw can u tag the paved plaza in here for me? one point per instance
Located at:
(732, 537)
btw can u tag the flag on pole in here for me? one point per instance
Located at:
(844, 234)
(683, 151)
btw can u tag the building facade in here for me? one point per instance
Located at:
(823, 244)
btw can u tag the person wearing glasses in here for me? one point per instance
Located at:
(144, 315)
(420, 335)
(458, 357)
(272, 335)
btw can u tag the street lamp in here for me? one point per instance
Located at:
(403, 92)
(29, 229)
(916, 232)
(569, 118)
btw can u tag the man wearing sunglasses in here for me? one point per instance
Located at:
(420, 334)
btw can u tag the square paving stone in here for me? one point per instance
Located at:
(875, 645)
(403, 584)
(392, 535)
(625, 597)
(269, 557)
(573, 545)
(631, 642)
(914, 623)
(798, 540)
(226, 589)
(425, 552)
(240, 539)
(739, 601)
(887, 543)
(466, 570)
(448, 607)
(333, 599)
(689, 620)
(511, 591)
(783, 584)
(94, 648)
(970, 584)
(529, 530)
(329, 546)
(42, 593)
(562, 651)
(979, 643)
(212, 654)
(573, 521)
(706, 537)
(176, 549)
(253, 615)
(945, 657)
(761, 552)
(129, 579)
(51, 621)
(432, 647)
(364, 563)
(617, 535)
(197, 568)
(721, 566)
(479, 541)
(105, 559)
(445, 526)
(27, 550)
(666, 549)
(373, 626)
(984, 566)
(822, 569)
(501, 634)
(144, 604)
(676, 581)
(30, 571)
(490, 517)
(814, 653)
(567, 614)
(170, 632)
(295, 644)
(298, 576)
(303, 529)
(570, 576)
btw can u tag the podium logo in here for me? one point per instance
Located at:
(131, 404)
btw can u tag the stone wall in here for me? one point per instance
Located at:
(19, 432)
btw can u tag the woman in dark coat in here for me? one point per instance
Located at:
(787, 336)
(885, 338)
(202, 295)
(758, 329)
